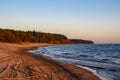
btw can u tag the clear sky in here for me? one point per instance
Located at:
(97, 20)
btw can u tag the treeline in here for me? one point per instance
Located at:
(13, 36)
(80, 41)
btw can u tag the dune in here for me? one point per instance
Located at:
(16, 63)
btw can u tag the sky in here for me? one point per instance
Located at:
(96, 20)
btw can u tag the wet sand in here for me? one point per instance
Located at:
(16, 63)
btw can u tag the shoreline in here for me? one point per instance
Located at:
(25, 65)
(84, 67)
(93, 71)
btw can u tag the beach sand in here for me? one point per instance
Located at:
(16, 63)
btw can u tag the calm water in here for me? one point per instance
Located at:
(105, 58)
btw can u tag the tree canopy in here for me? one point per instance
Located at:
(14, 36)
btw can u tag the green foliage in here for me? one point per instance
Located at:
(13, 36)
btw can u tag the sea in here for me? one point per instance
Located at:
(103, 58)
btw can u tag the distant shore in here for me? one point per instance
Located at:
(17, 63)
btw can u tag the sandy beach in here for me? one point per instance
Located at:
(16, 63)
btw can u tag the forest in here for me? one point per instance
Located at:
(18, 36)
(80, 41)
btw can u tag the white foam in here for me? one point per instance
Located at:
(94, 72)
(89, 69)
